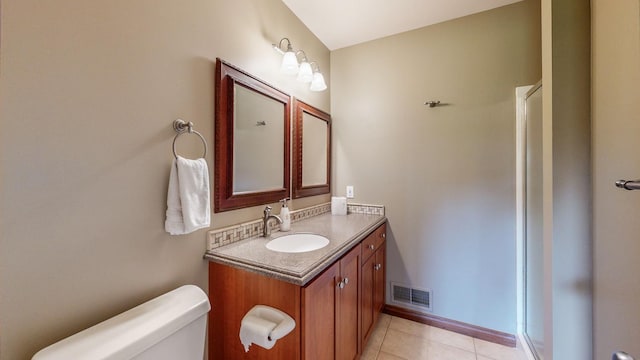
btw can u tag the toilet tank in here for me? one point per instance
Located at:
(171, 326)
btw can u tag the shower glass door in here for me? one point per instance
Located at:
(533, 257)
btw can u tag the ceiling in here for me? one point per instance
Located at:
(342, 23)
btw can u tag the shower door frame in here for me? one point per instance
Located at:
(522, 94)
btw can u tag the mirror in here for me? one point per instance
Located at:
(258, 135)
(251, 140)
(311, 151)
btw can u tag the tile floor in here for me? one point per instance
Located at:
(397, 339)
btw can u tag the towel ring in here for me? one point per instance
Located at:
(182, 127)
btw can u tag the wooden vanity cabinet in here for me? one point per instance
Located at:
(334, 313)
(330, 311)
(372, 280)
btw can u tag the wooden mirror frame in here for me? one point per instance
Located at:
(227, 76)
(300, 108)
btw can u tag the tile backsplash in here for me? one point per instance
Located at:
(365, 209)
(231, 234)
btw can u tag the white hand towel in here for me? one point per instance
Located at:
(174, 224)
(188, 203)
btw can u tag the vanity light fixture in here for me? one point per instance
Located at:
(289, 64)
(303, 69)
(317, 84)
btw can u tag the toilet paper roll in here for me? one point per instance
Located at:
(338, 205)
(263, 326)
(256, 330)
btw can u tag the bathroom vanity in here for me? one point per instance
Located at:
(334, 294)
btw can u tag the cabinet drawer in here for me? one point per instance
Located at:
(372, 242)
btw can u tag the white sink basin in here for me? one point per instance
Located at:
(297, 243)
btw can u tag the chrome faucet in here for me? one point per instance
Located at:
(266, 230)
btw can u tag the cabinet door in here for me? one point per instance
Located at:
(368, 275)
(379, 281)
(347, 329)
(319, 300)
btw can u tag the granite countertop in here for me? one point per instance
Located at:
(343, 232)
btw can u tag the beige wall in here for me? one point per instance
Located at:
(567, 179)
(88, 94)
(616, 129)
(445, 174)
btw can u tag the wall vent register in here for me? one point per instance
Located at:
(416, 298)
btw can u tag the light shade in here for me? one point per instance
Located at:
(289, 63)
(318, 84)
(305, 74)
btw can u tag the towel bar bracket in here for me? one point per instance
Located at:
(180, 125)
(628, 184)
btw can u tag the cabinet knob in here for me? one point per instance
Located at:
(371, 247)
(377, 267)
(343, 282)
(384, 235)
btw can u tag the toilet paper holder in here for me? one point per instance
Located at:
(264, 325)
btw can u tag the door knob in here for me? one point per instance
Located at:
(621, 355)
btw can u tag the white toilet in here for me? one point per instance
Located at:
(171, 326)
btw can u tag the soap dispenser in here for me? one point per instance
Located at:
(285, 225)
